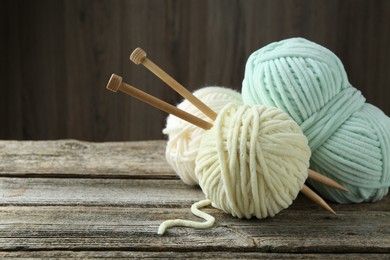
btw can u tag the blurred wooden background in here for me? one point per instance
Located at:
(57, 56)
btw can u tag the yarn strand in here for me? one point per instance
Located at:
(188, 223)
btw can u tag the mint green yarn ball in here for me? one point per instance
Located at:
(349, 139)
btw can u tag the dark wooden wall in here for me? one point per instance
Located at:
(57, 56)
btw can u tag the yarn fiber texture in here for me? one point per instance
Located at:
(253, 161)
(349, 139)
(184, 138)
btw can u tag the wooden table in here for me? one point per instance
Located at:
(77, 199)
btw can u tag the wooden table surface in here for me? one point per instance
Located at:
(77, 199)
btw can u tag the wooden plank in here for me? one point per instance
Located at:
(184, 255)
(66, 191)
(132, 228)
(93, 50)
(77, 158)
(35, 65)
(11, 109)
(131, 192)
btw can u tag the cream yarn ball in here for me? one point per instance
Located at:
(253, 161)
(184, 138)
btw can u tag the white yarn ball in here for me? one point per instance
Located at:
(184, 138)
(253, 161)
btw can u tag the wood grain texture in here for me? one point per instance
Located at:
(77, 158)
(57, 199)
(57, 56)
(183, 255)
(134, 229)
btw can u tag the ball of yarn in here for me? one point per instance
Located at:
(253, 161)
(349, 139)
(184, 138)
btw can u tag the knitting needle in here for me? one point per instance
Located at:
(316, 199)
(325, 180)
(115, 83)
(138, 56)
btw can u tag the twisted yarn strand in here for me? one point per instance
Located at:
(187, 223)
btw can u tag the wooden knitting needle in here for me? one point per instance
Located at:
(138, 56)
(115, 83)
(325, 180)
(316, 199)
